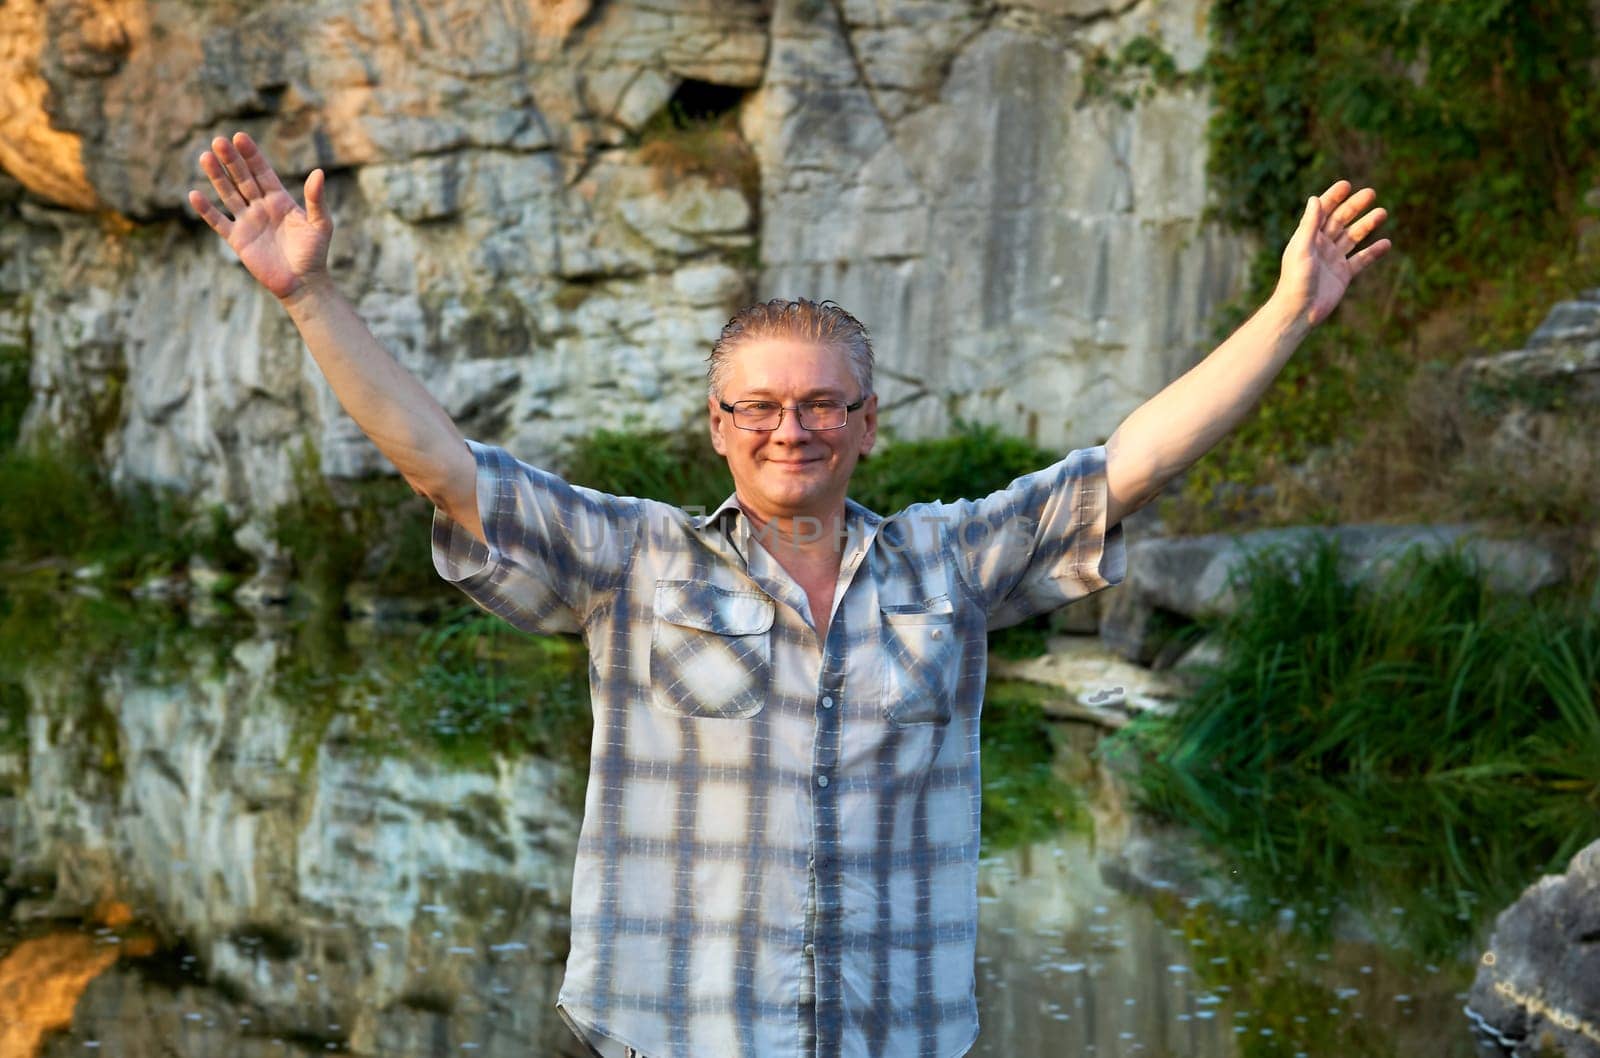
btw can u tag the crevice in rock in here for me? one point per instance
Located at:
(872, 93)
(267, 102)
(1110, 13)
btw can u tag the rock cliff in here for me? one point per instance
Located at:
(547, 208)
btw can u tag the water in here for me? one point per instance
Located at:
(246, 841)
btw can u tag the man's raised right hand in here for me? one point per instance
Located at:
(283, 246)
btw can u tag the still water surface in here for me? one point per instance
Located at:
(252, 841)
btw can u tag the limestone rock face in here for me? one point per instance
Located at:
(1538, 985)
(1027, 251)
(522, 228)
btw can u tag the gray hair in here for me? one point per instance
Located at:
(822, 322)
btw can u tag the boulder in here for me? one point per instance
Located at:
(1545, 396)
(1538, 985)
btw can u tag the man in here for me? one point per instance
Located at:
(778, 855)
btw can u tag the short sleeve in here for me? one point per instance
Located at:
(555, 550)
(1039, 543)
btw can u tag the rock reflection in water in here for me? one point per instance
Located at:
(1077, 955)
(312, 894)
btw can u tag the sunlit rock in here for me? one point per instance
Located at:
(47, 159)
(1098, 686)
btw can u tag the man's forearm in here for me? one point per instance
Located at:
(1172, 430)
(390, 405)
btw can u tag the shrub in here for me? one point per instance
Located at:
(60, 504)
(337, 532)
(973, 461)
(676, 467)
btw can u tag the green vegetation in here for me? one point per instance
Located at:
(973, 461)
(464, 692)
(338, 532)
(1418, 742)
(1477, 120)
(89, 633)
(481, 688)
(59, 505)
(1133, 73)
(676, 467)
(378, 530)
(681, 468)
(1478, 123)
(14, 391)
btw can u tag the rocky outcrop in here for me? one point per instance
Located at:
(1538, 985)
(524, 220)
(1544, 399)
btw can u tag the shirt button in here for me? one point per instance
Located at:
(937, 634)
(822, 780)
(827, 702)
(811, 949)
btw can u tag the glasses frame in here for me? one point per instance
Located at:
(732, 409)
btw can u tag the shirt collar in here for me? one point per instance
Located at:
(854, 515)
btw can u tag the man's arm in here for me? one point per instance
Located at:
(1169, 432)
(390, 405)
(285, 248)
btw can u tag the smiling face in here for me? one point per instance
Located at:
(792, 472)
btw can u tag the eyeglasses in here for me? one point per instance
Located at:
(767, 415)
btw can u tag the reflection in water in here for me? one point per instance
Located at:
(43, 978)
(1077, 956)
(322, 879)
(369, 850)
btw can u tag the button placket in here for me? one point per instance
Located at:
(824, 943)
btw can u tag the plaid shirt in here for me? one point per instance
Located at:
(779, 849)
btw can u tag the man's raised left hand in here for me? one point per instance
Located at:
(1321, 258)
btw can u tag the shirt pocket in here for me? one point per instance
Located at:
(710, 650)
(921, 661)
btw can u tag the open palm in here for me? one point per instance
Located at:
(283, 246)
(1321, 258)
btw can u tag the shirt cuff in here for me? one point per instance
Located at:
(1105, 563)
(459, 557)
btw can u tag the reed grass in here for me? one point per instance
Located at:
(1417, 742)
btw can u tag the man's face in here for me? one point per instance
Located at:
(792, 472)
